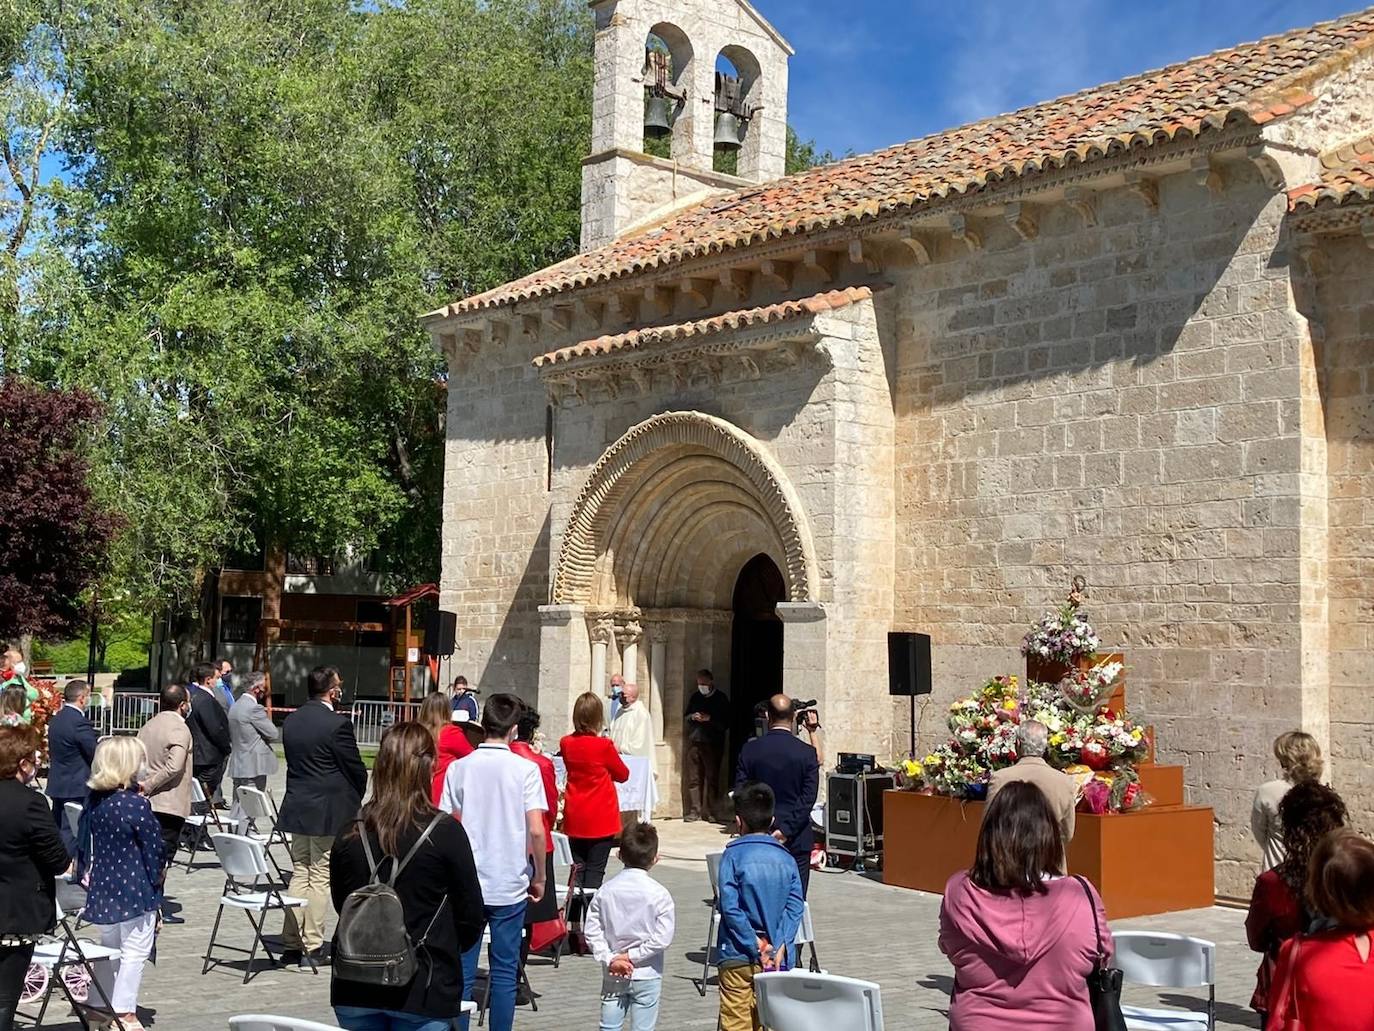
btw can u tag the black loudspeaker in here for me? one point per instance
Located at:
(908, 664)
(441, 632)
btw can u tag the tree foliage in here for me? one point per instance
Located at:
(55, 535)
(262, 199)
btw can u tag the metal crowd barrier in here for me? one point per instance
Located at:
(371, 718)
(126, 715)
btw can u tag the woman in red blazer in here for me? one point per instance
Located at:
(450, 743)
(591, 807)
(1325, 981)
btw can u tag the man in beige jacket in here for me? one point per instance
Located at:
(1032, 741)
(167, 782)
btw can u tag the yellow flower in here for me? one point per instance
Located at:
(1057, 739)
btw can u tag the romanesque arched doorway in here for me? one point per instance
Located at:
(653, 554)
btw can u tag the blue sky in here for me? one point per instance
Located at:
(869, 73)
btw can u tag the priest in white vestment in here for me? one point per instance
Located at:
(632, 730)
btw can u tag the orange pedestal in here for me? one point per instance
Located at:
(1156, 860)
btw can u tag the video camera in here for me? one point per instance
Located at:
(804, 715)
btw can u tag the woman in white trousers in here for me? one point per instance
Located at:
(120, 846)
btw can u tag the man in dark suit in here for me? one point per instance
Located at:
(71, 746)
(791, 768)
(209, 725)
(325, 783)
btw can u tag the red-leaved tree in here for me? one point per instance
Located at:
(54, 537)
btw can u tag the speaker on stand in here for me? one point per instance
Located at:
(441, 632)
(908, 671)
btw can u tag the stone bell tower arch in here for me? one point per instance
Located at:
(622, 186)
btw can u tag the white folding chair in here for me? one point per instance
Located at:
(818, 1002)
(63, 955)
(806, 935)
(245, 870)
(1164, 960)
(72, 812)
(196, 830)
(258, 812)
(713, 922)
(259, 1022)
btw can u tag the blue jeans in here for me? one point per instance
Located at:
(505, 925)
(639, 1000)
(354, 1018)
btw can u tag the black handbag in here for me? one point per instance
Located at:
(1104, 983)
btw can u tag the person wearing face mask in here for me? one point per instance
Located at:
(708, 720)
(167, 780)
(31, 857)
(325, 784)
(14, 674)
(71, 747)
(616, 696)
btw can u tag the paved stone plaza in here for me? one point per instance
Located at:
(864, 929)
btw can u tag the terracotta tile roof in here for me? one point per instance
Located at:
(1347, 176)
(1249, 84)
(784, 311)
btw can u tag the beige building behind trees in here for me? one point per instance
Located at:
(759, 422)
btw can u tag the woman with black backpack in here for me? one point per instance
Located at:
(405, 887)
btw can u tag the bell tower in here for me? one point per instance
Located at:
(697, 76)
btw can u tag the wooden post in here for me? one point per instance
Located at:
(405, 688)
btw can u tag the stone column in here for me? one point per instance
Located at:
(653, 697)
(627, 637)
(564, 661)
(602, 633)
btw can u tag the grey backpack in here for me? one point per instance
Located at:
(372, 945)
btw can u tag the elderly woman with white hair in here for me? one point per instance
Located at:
(120, 844)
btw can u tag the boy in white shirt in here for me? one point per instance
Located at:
(629, 928)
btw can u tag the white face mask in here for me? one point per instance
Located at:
(704, 688)
(21, 667)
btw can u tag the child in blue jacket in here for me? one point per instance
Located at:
(760, 907)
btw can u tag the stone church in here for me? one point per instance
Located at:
(761, 421)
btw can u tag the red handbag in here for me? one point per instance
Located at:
(549, 932)
(1283, 994)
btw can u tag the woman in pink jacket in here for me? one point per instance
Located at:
(1021, 938)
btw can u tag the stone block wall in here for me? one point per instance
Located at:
(1121, 400)
(495, 537)
(1344, 307)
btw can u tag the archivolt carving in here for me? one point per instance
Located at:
(703, 434)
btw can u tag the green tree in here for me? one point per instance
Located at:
(262, 201)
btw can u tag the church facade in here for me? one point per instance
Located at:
(761, 421)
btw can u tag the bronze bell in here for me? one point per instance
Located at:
(658, 117)
(729, 131)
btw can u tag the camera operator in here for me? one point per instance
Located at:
(791, 768)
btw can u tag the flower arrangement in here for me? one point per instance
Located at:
(1086, 690)
(1097, 744)
(1066, 634)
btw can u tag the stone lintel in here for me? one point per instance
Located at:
(800, 611)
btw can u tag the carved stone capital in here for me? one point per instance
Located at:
(630, 633)
(657, 633)
(602, 630)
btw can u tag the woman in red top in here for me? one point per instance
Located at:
(1325, 981)
(591, 807)
(1307, 813)
(450, 743)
